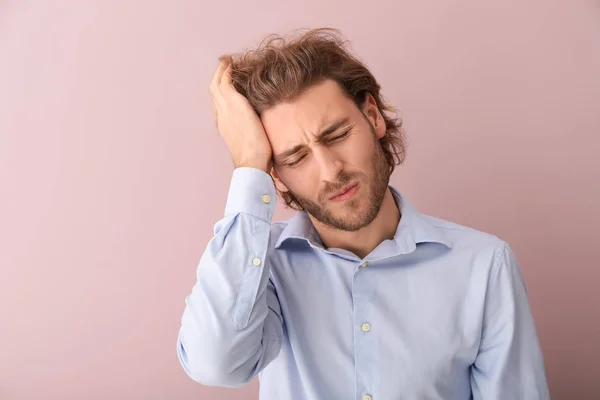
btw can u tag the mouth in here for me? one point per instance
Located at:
(345, 193)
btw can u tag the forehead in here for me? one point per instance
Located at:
(307, 115)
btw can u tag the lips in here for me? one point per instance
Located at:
(344, 190)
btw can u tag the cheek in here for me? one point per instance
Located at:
(359, 153)
(300, 180)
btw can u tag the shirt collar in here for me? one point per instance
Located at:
(414, 228)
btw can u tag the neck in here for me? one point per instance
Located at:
(364, 240)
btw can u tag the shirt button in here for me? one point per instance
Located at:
(366, 327)
(367, 397)
(266, 199)
(364, 265)
(256, 261)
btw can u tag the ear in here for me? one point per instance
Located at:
(278, 183)
(371, 111)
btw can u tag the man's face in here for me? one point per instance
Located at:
(323, 145)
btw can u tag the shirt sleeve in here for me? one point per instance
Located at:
(231, 327)
(509, 364)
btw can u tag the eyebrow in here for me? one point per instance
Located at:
(327, 131)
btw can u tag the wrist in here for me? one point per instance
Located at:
(260, 165)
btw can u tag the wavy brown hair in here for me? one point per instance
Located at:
(283, 67)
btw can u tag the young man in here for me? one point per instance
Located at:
(358, 296)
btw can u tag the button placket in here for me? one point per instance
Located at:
(364, 340)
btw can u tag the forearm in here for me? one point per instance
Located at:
(223, 340)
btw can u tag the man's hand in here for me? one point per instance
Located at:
(238, 123)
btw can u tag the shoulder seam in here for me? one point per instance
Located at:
(497, 263)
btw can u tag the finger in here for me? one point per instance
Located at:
(226, 79)
(227, 87)
(216, 80)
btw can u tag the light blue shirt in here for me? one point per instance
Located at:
(438, 312)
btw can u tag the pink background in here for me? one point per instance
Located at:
(112, 173)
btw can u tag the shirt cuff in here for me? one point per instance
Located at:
(252, 191)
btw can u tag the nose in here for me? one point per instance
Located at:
(330, 164)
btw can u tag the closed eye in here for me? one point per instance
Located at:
(295, 162)
(333, 139)
(343, 135)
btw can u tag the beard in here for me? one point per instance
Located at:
(373, 182)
